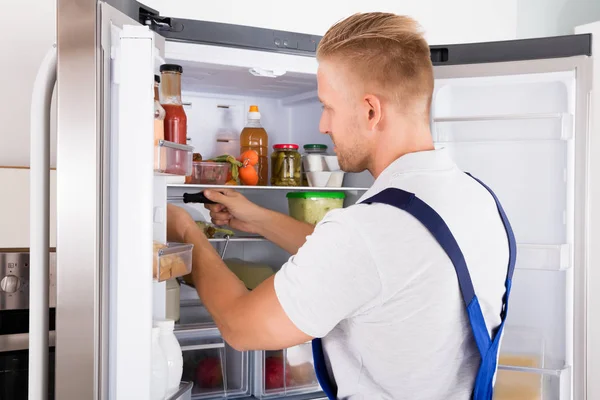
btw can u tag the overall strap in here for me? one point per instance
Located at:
(487, 346)
(439, 230)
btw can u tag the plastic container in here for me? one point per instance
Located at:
(209, 173)
(172, 351)
(285, 372)
(216, 369)
(158, 378)
(172, 158)
(171, 260)
(254, 137)
(286, 165)
(311, 207)
(312, 159)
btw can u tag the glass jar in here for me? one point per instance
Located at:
(286, 165)
(312, 159)
(175, 117)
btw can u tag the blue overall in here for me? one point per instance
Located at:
(488, 347)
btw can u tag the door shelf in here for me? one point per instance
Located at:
(501, 117)
(172, 158)
(524, 383)
(543, 257)
(505, 128)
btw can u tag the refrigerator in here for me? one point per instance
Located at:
(521, 115)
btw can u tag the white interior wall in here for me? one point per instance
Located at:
(554, 17)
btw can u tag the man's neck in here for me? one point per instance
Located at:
(389, 151)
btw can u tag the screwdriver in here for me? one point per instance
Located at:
(192, 198)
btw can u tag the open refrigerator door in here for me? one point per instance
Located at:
(522, 128)
(592, 339)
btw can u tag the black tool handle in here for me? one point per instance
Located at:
(196, 198)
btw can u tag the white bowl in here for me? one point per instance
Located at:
(314, 163)
(325, 178)
(332, 163)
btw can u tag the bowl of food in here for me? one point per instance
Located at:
(209, 173)
(311, 207)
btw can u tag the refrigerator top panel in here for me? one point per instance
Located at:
(254, 38)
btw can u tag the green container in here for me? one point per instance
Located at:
(311, 207)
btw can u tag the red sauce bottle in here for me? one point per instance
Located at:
(175, 118)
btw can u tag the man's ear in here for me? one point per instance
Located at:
(374, 112)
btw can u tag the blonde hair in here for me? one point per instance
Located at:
(387, 52)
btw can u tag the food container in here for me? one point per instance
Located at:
(325, 178)
(173, 158)
(286, 165)
(285, 372)
(313, 160)
(171, 260)
(311, 207)
(215, 368)
(209, 173)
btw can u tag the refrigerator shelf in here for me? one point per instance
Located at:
(525, 383)
(173, 158)
(501, 117)
(505, 128)
(187, 187)
(544, 257)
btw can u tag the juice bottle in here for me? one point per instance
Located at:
(254, 137)
(175, 118)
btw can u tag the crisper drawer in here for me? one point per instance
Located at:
(217, 370)
(285, 372)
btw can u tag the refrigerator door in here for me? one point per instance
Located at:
(516, 115)
(593, 216)
(105, 202)
(80, 215)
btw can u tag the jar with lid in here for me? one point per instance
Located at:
(312, 159)
(175, 117)
(286, 165)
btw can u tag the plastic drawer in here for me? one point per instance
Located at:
(285, 372)
(215, 368)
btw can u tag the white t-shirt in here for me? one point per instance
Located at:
(374, 283)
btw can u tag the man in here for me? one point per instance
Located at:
(374, 281)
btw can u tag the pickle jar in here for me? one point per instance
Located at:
(286, 165)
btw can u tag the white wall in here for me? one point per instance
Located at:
(554, 17)
(29, 31)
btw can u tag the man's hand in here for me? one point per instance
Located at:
(234, 210)
(179, 223)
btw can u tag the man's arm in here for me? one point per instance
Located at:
(239, 213)
(247, 320)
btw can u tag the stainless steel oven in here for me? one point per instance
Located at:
(14, 323)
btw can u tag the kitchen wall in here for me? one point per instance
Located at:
(554, 17)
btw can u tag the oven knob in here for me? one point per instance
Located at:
(10, 284)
